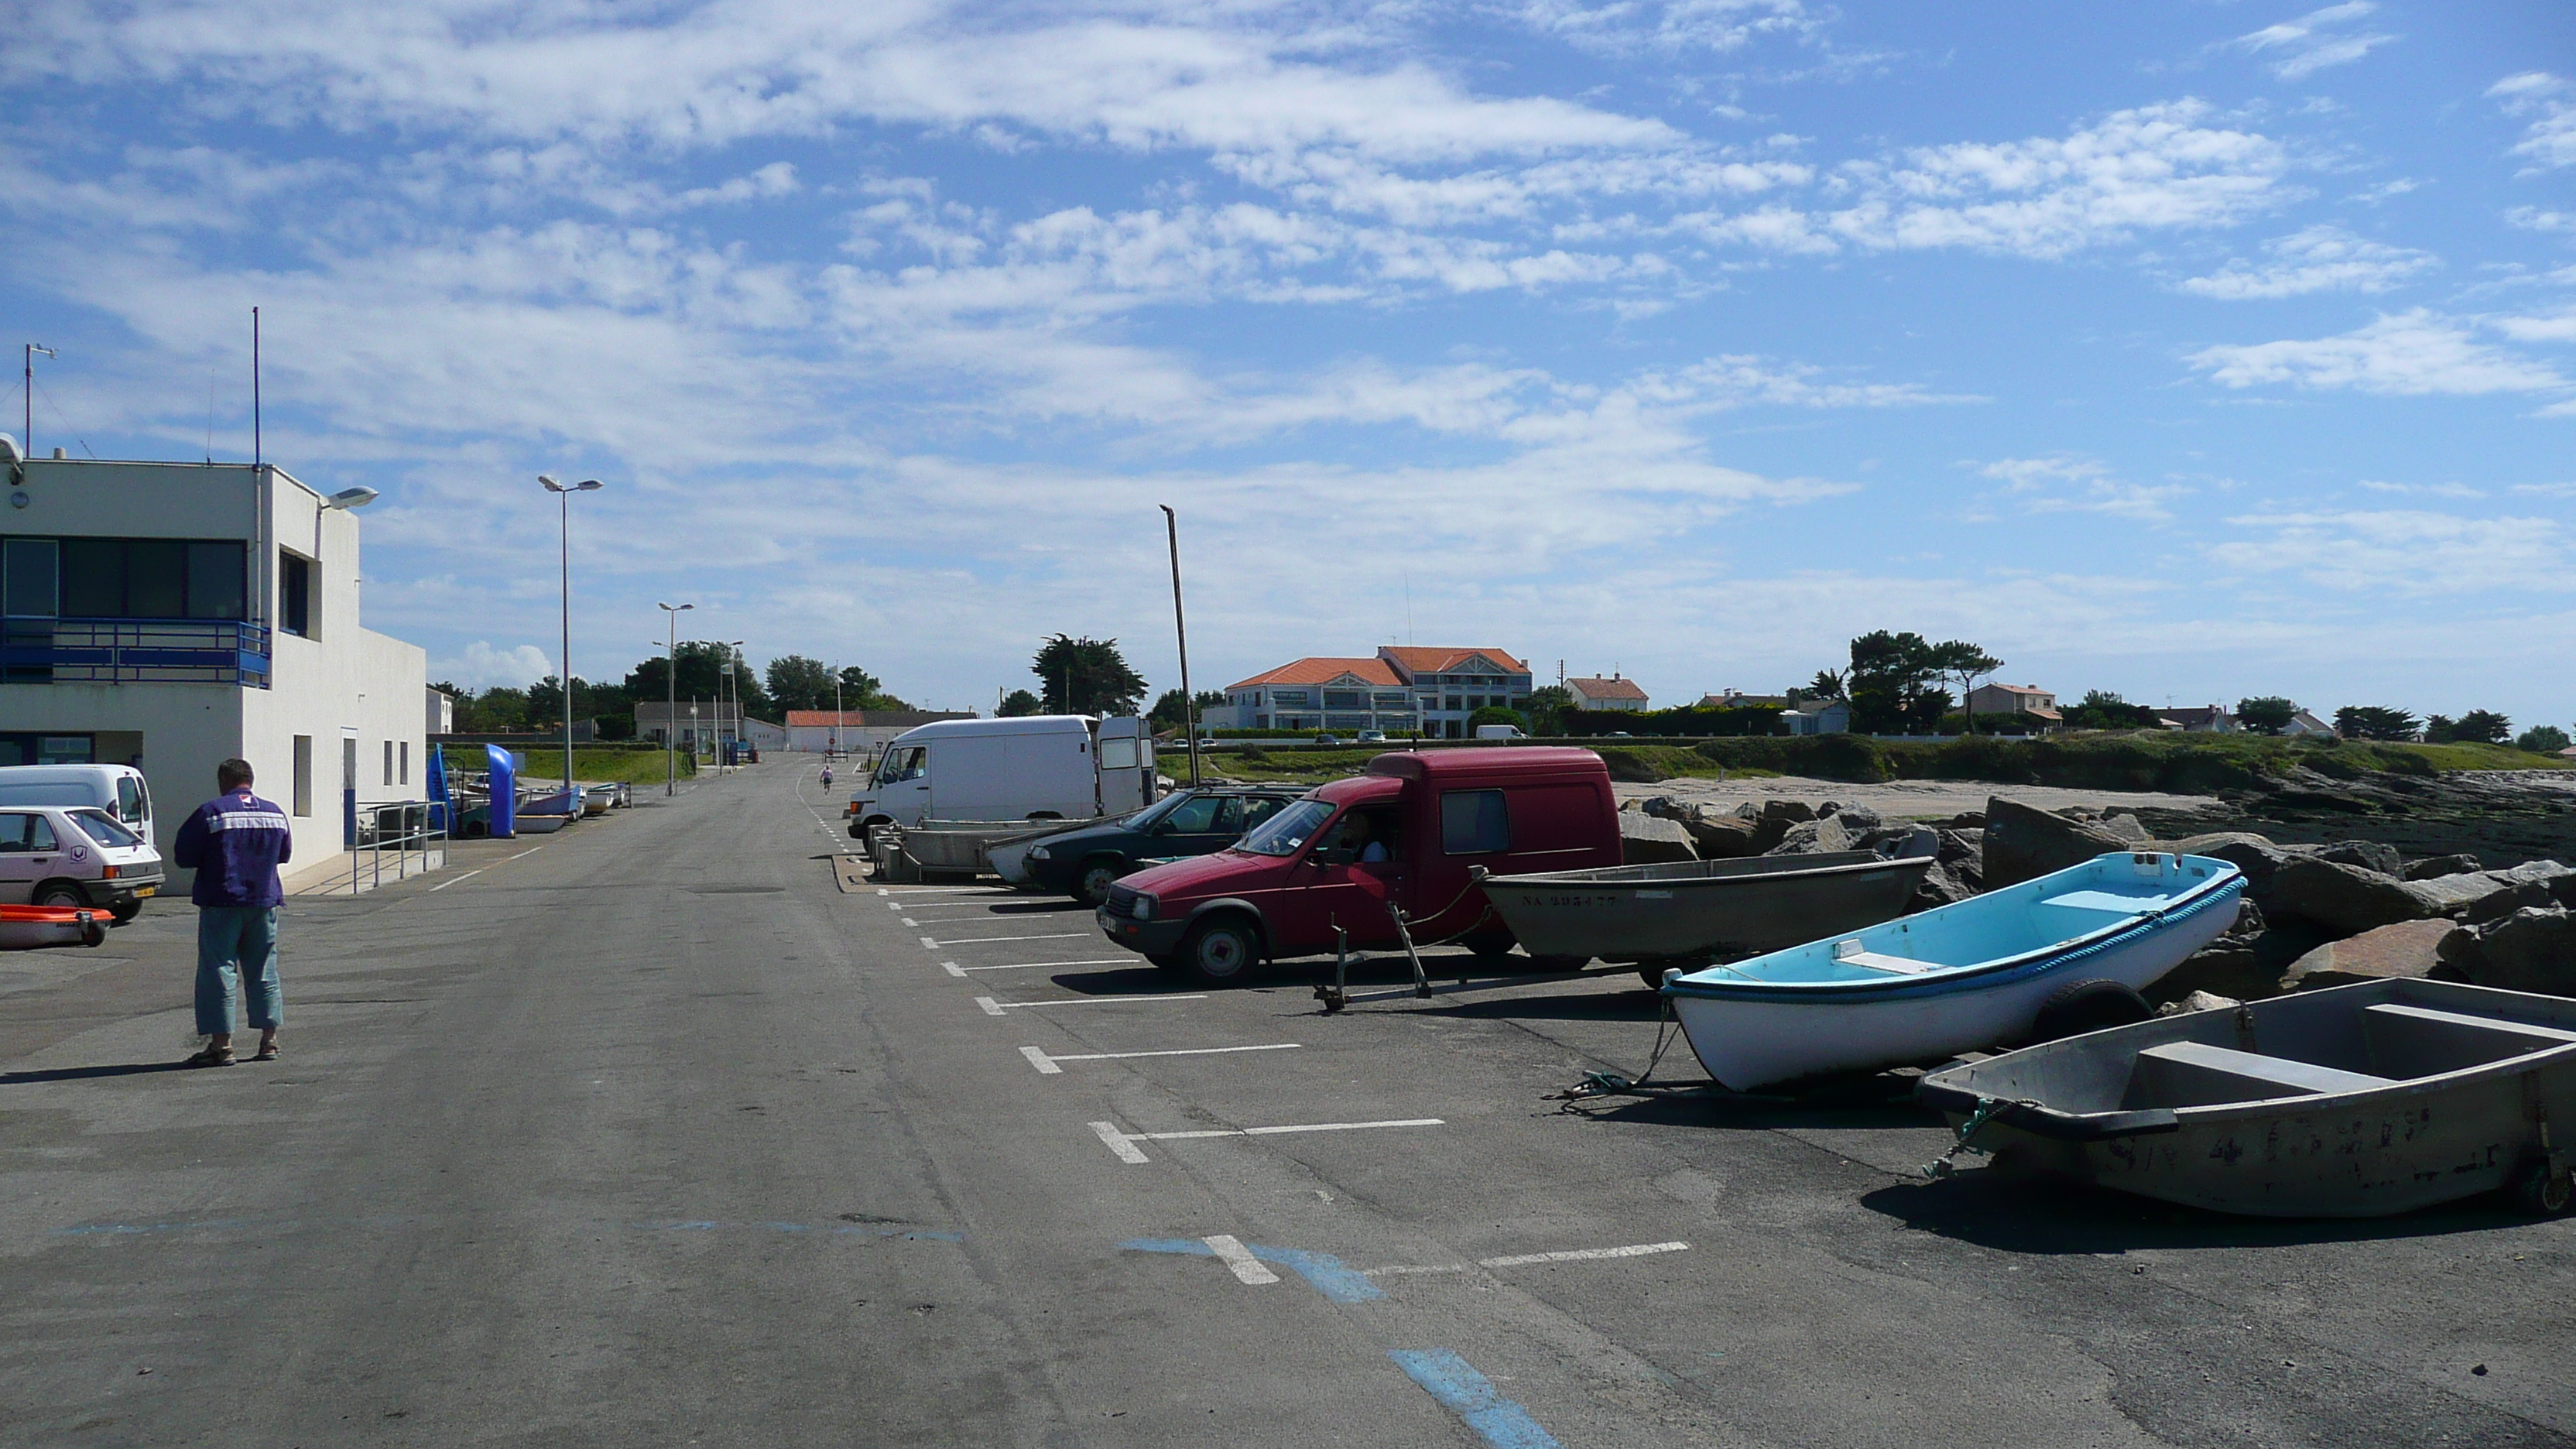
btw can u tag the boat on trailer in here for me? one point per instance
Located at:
(2351, 1101)
(1693, 910)
(25, 928)
(2069, 946)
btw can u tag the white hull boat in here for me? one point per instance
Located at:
(1957, 978)
(2354, 1101)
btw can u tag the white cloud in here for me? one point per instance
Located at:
(2315, 40)
(2532, 218)
(1623, 27)
(2558, 326)
(2073, 483)
(2414, 352)
(480, 666)
(2317, 259)
(2434, 490)
(2405, 552)
(2550, 140)
(2151, 168)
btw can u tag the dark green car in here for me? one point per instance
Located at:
(1083, 862)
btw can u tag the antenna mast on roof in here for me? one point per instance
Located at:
(258, 455)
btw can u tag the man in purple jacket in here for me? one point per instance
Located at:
(234, 843)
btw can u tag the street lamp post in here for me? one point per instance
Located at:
(27, 418)
(1180, 626)
(733, 684)
(671, 704)
(563, 510)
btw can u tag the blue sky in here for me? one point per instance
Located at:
(2190, 350)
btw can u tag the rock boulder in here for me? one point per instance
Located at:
(2345, 900)
(2441, 865)
(2530, 950)
(2022, 843)
(2368, 854)
(1720, 837)
(2411, 949)
(1813, 837)
(2253, 854)
(1646, 840)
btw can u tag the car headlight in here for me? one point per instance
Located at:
(1144, 908)
(1037, 852)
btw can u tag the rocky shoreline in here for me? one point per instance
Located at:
(2503, 817)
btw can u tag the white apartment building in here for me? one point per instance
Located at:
(172, 615)
(1401, 691)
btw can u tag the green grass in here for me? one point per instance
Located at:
(597, 767)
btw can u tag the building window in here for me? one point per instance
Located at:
(304, 775)
(1288, 696)
(28, 574)
(1345, 699)
(404, 778)
(294, 594)
(1454, 703)
(153, 578)
(389, 763)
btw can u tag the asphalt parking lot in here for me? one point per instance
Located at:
(674, 1132)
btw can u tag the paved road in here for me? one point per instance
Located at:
(658, 1135)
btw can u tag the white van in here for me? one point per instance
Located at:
(1037, 767)
(1500, 732)
(117, 789)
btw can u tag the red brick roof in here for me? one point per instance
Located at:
(1607, 689)
(1323, 671)
(1442, 661)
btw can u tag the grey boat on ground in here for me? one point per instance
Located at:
(1687, 912)
(2353, 1101)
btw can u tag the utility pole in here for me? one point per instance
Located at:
(671, 704)
(1181, 627)
(27, 419)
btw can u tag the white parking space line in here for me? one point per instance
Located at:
(996, 1008)
(986, 940)
(1583, 1255)
(442, 885)
(1231, 1252)
(1124, 1143)
(1047, 1064)
(970, 892)
(1520, 1260)
(1117, 1142)
(1033, 965)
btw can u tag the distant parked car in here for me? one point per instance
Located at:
(77, 855)
(1083, 862)
(1372, 737)
(1328, 739)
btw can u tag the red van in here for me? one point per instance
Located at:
(1402, 835)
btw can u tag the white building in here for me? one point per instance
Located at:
(173, 615)
(1611, 693)
(856, 731)
(1401, 691)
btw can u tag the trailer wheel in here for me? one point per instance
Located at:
(2082, 1006)
(127, 909)
(2540, 1191)
(1098, 874)
(1488, 945)
(1221, 951)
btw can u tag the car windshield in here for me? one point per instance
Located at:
(100, 826)
(1282, 833)
(1146, 818)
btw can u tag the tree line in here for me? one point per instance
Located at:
(791, 681)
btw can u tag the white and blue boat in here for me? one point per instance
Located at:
(1960, 977)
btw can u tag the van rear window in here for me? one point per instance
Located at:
(1474, 822)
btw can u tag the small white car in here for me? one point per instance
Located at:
(75, 855)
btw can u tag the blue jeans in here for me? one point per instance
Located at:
(243, 940)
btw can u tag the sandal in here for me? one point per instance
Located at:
(267, 1052)
(211, 1056)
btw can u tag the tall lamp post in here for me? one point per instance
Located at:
(671, 705)
(1180, 626)
(563, 510)
(27, 418)
(733, 683)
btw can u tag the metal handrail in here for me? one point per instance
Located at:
(403, 826)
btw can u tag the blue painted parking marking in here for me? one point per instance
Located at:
(1461, 1390)
(1322, 1271)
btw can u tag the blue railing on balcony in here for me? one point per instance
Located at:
(134, 651)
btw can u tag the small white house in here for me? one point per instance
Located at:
(1611, 693)
(2022, 699)
(173, 615)
(1824, 717)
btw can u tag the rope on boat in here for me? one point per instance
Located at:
(1945, 1165)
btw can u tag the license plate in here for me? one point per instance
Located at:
(141, 891)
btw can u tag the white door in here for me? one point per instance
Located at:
(27, 850)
